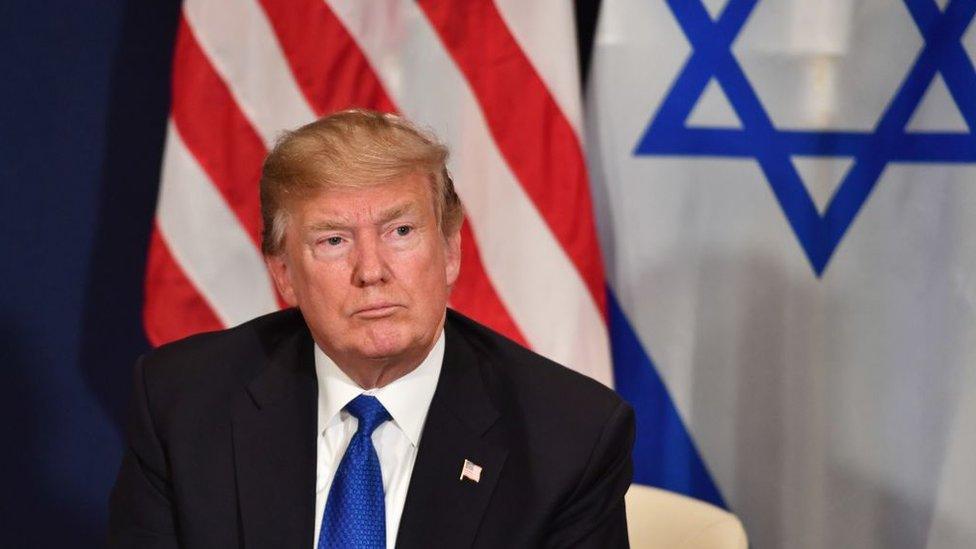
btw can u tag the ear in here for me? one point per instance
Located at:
(453, 257)
(281, 274)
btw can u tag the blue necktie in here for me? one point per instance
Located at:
(355, 513)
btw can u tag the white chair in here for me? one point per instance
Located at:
(658, 519)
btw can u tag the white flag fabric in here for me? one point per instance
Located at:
(786, 198)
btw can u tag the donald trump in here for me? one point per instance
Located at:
(368, 414)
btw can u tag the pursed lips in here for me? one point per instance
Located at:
(377, 310)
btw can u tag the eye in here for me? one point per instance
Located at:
(403, 230)
(333, 240)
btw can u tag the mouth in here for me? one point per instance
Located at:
(377, 310)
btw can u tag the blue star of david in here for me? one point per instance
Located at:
(819, 236)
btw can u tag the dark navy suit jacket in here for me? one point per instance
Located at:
(222, 441)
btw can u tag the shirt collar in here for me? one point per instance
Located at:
(407, 399)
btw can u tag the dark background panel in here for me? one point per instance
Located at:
(587, 12)
(82, 119)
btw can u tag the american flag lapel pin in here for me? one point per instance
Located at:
(470, 471)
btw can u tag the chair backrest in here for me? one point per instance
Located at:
(658, 519)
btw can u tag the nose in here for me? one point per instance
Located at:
(370, 266)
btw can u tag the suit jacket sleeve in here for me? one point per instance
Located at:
(140, 507)
(594, 515)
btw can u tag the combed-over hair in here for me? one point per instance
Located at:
(352, 148)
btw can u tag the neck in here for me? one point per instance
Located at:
(376, 373)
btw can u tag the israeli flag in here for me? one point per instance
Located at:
(786, 193)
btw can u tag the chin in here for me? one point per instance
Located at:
(384, 343)
(378, 354)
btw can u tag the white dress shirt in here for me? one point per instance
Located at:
(406, 399)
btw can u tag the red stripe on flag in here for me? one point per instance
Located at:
(216, 132)
(474, 295)
(331, 71)
(531, 131)
(173, 307)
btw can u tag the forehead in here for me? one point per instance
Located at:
(366, 203)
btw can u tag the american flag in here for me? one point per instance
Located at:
(470, 471)
(496, 80)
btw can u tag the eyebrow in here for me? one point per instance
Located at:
(384, 217)
(393, 213)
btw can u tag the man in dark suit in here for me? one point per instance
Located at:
(371, 415)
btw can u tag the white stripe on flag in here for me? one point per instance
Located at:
(240, 43)
(207, 241)
(534, 277)
(545, 30)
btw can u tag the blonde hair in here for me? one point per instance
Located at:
(352, 148)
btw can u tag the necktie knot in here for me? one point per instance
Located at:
(370, 413)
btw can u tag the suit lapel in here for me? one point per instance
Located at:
(275, 450)
(441, 509)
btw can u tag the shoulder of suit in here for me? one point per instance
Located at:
(531, 374)
(214, 354)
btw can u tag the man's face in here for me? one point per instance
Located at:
(370, 270)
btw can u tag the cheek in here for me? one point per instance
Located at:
(322, 284)
(433, 275)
